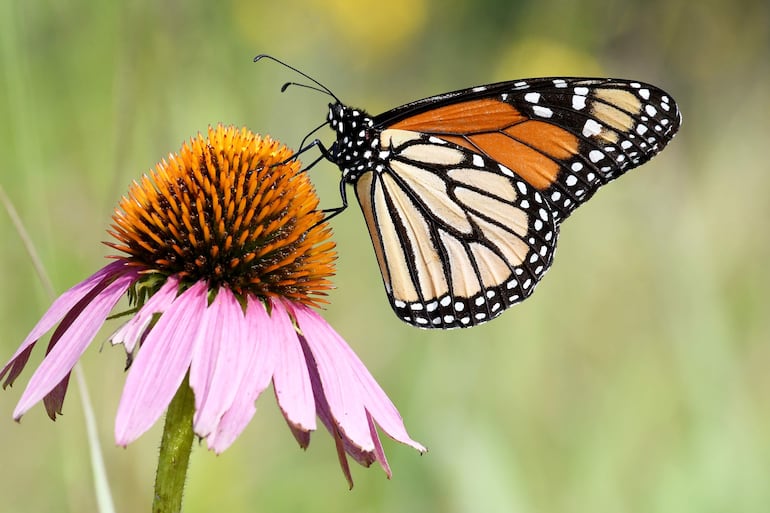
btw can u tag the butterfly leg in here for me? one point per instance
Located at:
(329, 213)
(302, 150)
(325, 154)
(332, 212)
(304, 139)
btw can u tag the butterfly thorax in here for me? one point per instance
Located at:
(357, 147)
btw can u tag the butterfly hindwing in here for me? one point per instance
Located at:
(458, 237)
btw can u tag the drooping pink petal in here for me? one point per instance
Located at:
(302, 436)
(338, 383)
(348, 385)
(218, 362)
(60, 307)
(72, 343)
(161, 364)
(259, 356)
(54, 400)
(16, 364)
(290, 380)
(379, 452)
(343, 443)
(131, 331)
(339, 444)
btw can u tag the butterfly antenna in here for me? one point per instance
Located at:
(285, 86)
(321, 88)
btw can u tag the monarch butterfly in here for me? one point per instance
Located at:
(463, 193)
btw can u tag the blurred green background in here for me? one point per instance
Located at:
(635, 379)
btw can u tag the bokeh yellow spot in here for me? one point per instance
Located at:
(382, 27)
(536, 57)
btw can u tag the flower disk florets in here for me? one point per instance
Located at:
(231, 210)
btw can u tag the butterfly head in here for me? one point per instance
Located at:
(357, 140)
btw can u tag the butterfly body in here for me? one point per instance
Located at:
(357, 147)
(463, 192)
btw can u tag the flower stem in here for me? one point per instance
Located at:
(175, 449)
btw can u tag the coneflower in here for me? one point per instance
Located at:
(224, 256)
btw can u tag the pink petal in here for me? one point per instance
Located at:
(72, 343)
(349, 387)
(340, 387)
(291, 381)
(259, 356)
(60, 307)
(363, 457)
(133, 329)
(16, 364)
(54, 400)
(342, 458)
(302, 436)
(379, 453)
(218, 362)
(161, 364)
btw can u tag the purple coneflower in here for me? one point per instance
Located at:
(225, 254)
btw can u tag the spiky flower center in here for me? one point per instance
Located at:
(230, 210)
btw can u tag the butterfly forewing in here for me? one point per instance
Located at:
(564, 136)
(617, 125)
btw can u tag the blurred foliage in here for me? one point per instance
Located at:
(635, 379)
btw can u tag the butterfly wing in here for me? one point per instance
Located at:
(463, 192)
(458, 237)
(566, 137)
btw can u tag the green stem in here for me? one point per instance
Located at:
(175, 449)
